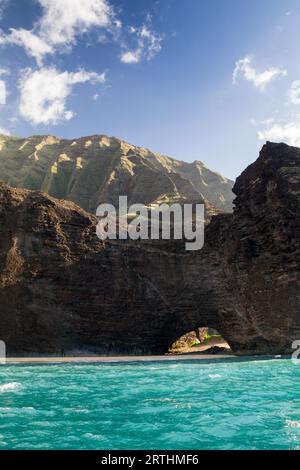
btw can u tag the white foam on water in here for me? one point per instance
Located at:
(263, 361)
(83, 411)
(28, 410)
(76, 388)
(293, 424)
(94, 437)
(10, 387)
(9, 412)
(183, 406)
(160, 400)
(215, 376)
(43, 424)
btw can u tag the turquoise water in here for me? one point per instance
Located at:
(253, 404)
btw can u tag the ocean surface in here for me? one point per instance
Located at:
(235, 404)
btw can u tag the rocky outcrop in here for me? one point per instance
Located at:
(61, 288)
(261, 252)
(98, 169)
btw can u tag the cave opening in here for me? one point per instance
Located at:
(202, 340)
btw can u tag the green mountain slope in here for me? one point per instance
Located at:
(97, 169)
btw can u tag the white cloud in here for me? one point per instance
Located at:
(294, 92)
(33, 44)
(152, 41)
(13, 120)
(44, 93)
(260, 80)
(3, 5)
(131, 57)
(62, 21)
(4, 131)
(288, 133)
(148, 45)
(2, 92)
(4, 71)
(263, 122)
(118, 24)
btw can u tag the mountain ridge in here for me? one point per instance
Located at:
(95, 169)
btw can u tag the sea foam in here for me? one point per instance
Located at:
(293, 424)
(10, 387)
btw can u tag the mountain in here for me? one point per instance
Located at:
(98, 169)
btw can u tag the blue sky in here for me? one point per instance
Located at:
(194, 79)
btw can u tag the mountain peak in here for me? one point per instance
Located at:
(94, 169)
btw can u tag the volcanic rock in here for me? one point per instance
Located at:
(62, 289)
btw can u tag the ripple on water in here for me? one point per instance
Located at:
(215, 405)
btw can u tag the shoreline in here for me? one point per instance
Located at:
(113, 359)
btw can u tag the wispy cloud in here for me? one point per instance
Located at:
(148, 44)
(4, 71)
(44, 93)
(3, 92)
(3, 5)
(260, 80)
(294, 92)
(262, 122)
(288, 133)
(4, 131)
(33, 45)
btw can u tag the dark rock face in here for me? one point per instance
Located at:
(262, 251)
(61, 288)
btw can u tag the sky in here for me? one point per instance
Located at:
(207, 80)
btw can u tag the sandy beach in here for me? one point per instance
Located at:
(103, 359)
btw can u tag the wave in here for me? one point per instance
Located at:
(94, 437)
(10, 387)
(293, 424)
